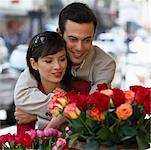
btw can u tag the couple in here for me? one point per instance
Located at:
(77, 25)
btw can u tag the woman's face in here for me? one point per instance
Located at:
(52, 67)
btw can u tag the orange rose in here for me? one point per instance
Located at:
(96, 114)
(124, 111)
(129, 96)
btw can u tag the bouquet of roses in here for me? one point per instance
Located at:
(108, 117)
(47, 139)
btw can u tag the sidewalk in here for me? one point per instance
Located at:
(11, 129)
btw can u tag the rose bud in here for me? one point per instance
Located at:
(71, 111)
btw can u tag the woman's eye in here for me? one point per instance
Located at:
(48, 61)
(62, 59)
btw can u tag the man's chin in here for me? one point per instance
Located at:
(76, 62)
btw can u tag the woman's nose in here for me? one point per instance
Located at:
(56, 65)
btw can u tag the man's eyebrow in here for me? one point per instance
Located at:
(89, 37)
(71, 36)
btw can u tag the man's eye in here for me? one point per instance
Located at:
(72, 40)
(87, 41)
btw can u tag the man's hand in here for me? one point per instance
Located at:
(23, 117)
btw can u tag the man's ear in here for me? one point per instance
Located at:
(33, 64)
(58, 30)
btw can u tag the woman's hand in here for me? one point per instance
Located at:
(56, 122)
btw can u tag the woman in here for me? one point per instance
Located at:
(47, 62)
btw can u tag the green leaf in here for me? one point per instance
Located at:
(126, 138)
(129, 131)
(73, 139)
(103, 133)
(20, 148)
(140, 143)
(143, 139)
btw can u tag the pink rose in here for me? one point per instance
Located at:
(32, 133)
(40, 133)
(59, 93)
(56, 106)
(52, 132)
(60, 144)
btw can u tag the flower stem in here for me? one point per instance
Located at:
(68, 120)
(86, 126)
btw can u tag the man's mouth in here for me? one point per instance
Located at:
(77, 55)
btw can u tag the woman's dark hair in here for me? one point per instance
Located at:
(43, 44)
(76, 12)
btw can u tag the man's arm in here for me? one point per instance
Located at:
(104, 69)
(28, 97)
(24, 117)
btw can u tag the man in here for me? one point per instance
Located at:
(77, 25)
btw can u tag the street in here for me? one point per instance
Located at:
(8, 80)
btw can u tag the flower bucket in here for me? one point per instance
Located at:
(94, 145)
(119, 147)
(91, 145)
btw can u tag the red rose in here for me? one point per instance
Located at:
(81, 86)
(100, 101)
(26, 140)
(44, 140)
(135, 88)
(17, 140)
(9, 137)
(147, 106)
(118, 97)
(147, 101)
(2, 140)
(141, 95)
(101, 87)
(79, 99)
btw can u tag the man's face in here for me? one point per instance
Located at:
(78, 38)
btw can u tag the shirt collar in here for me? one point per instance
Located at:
(79, 66)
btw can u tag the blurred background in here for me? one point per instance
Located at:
(124, 31)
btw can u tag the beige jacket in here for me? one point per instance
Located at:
(98, 67)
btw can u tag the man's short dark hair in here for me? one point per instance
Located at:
(76, 12)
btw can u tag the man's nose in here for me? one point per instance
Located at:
(79, 46)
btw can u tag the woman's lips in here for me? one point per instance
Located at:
(57, 74)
